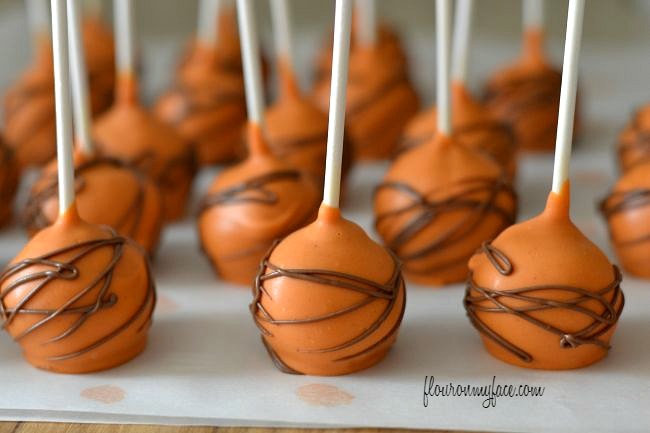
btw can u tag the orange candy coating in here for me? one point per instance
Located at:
(475, 127)
(627, 211)
(131, 134)
(570, 283)
(526, 96)
(338, 307)
(634, 141)
(208, 108)
(77, 298)
(9, 176)
(108, 192)
(250, 205)
(380, 101)
(438, 202)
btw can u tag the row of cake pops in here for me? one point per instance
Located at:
(328, 300)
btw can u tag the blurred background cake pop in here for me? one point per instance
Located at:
(526, 94)
(109, 192)
(29, 102)
(295, 127)
(78, 298)
(206, 104)
(440, 201)
(381, 98)
(541, 294)
(130, 133)
(634, 141)
(475, 127)
(250, 205)
(9, 175)
(328, 299)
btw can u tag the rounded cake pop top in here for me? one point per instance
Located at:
(328, 299)
(207, 106)
(526, 96)
(296, 129)
(78, 298)
(437, 204)
(474, 127)
(131, 134)
(9, 176)
(249, 206)
(380, 101)
(29, 103)
(108, 192)
(634, 140)
(542, 295)
(627, 211)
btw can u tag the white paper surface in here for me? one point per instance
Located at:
(205, 363)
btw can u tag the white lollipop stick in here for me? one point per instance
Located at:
(462, 32)
(282, 30)
(78, 72)
(125, 37)
(39, 19)
(208, 22)
(366, 14)
(62, 105)
(443, 33)
(340, 58)
(251, 59)
(568, 94)
(533, 14)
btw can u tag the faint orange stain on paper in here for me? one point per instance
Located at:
(104, 394)
(320, 394)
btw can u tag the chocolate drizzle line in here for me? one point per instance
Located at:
(640, 143)
(373, 291)
(428, 211)
(482, 300)
(128, 224)
(623, 201)
(56, 269)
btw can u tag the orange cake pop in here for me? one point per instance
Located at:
(29, 103)
(9, 175)
(381, 98)
(634, 140)
(526, 96)
(328, 299)
(249, 206)
(541, 294)
(131, 134)
(78, 298)
(627, 211)
(207, 106)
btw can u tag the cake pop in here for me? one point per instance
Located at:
(439, 201)
(207, 104)
(474, 125)
(9, 174)
(78, 298)
(634, 140)
(329, 300)
(541, 294)
(257, 201)
(296, 128)
(626, 210)
(29, 103)
(381, 100)
(131, 134)
(526, 94)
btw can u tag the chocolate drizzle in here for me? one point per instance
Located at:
(128, 224)
(481, 300)
(426, 212)
(620, 202)
(639, 144)
(50, 268)
(373, 291)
